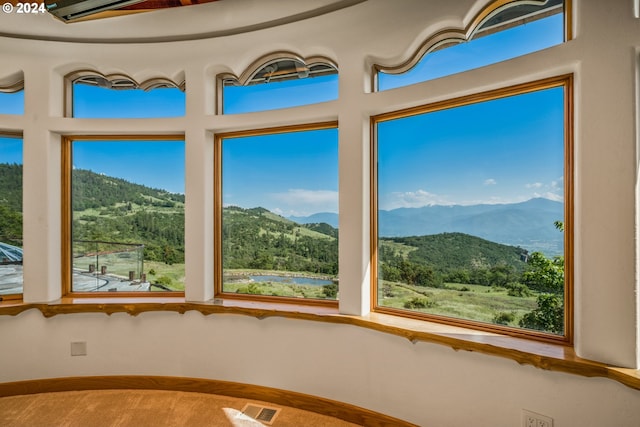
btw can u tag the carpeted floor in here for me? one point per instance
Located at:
(144, 408)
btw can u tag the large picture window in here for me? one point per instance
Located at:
(124, 215)
(472, 212)
(10, 216)
(277, 213)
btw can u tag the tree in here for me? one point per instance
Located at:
(544, 274)
(548, 316)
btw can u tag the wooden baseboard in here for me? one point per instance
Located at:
(320, 405)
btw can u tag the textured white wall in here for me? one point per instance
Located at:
(423, 383)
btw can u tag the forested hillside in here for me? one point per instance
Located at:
(259, 239)
(11, 204)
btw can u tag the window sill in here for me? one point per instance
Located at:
(553, 357)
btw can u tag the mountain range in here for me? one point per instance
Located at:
(528, 224)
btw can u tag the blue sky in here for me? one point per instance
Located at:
(10, 150)
(97, 102)
(501, 151)
(156, 164)
(291, 174)
(274, 95)
(12, 103)
(481, 51)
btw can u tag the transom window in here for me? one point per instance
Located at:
(498, 33)
(277, 213)
(93, 95)
(279, 81)
(472, 210)
(124, 214)
(12, 97)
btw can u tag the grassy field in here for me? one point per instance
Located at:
(471, 302)
(238, 281)
(173, 275)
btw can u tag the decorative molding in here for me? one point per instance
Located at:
(547, 356)
(319, 405)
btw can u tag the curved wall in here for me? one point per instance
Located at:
(423, 383)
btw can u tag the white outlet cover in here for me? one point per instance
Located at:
(532, 419)
(79, 348)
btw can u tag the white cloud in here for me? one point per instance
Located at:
(534, 185)
(490, 181)
(412, 199)
(301, 202)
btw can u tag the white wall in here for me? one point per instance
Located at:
(423, 383)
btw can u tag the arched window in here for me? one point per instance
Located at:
(94, 95)
(12, 95)
(503, 30)
(279, 80)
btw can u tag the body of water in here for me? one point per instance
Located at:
(291, 279)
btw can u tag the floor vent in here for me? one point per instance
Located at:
(264, 414)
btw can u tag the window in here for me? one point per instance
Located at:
(124, 216)
(472, 212)
(12, 97)
(10, 215)
(279, 81)
(499, 33)
(277, 204)
(92, 95)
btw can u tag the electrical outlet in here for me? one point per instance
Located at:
(79, 348)
(531, 419)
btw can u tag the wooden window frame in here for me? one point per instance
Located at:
(564, 81)
(218, 205)
(67, 215)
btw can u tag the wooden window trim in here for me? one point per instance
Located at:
(564, 81)
(555, 357)
(67, 215)
(218, 205)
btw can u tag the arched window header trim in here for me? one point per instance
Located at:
(452, 36)
(254, 73)
(12, 84)
(120, 81)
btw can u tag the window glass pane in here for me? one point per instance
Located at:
(317, 84)
(10, 215)
(480, 51)
(12, 103)
(468, 200)
(127, 216)
(279, 220)
(99, 102)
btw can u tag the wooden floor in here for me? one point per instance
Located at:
(142, 408)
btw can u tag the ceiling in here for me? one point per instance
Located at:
(168, 20)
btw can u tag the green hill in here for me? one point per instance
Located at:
(11, 204)
(450, 257)
(259, 239)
